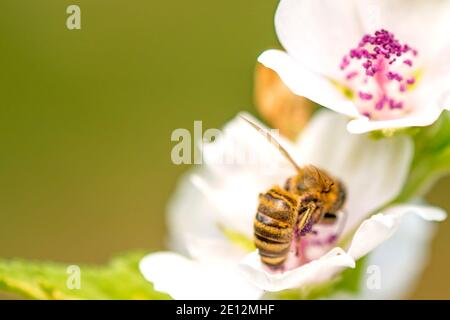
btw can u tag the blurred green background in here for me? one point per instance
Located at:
(86, 118)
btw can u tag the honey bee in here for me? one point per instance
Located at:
(287, 213)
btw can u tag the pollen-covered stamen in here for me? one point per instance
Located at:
(380, 72)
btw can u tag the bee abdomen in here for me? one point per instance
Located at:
(272, 252)
(278, 205)
(273, 233)
(274, 225)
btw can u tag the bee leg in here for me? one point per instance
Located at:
(304, 225)
(305, 218)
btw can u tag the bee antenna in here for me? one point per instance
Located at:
(272, 141)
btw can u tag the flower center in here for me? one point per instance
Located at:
(380, 72)
(311, 243)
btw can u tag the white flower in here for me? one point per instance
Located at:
(383, 63)
(222, 197)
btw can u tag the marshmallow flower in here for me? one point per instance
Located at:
(211, 214)
(383, 63)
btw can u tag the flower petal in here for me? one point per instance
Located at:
(373, 232)
(373, 171)
(435, 84)
(380, 227)
(318, 33)
(401, 259)
(421, 118)
(241, 147)
(214, 250)
(182, 278)
(306, 83)
(426, 212)
(190, 213)
(315, 271)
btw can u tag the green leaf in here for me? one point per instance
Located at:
(119, 279)
(431, 158)
(392, 132)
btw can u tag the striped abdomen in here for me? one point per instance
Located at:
(274, 225)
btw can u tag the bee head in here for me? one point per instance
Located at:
(310, 179)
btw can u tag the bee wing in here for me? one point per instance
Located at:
(317, 177)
